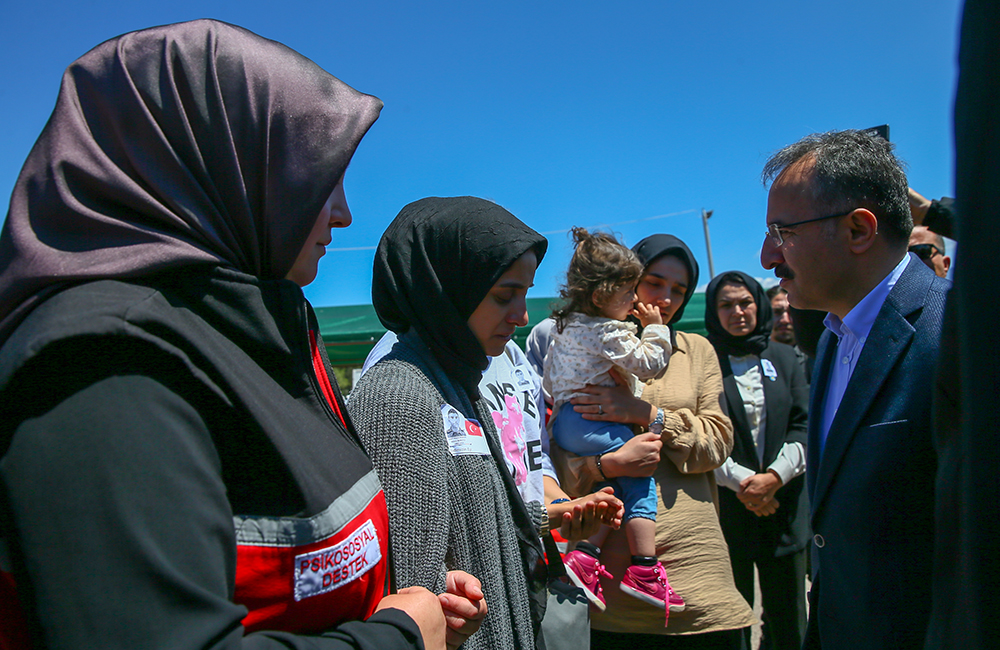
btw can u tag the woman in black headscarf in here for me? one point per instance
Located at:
(450, 278)
(178, 469)
(683, 421)
(763, 506)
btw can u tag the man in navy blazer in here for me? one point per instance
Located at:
(838, 226)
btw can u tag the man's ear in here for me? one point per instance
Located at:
(946, 261)
(863, 228)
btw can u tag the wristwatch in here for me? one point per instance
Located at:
(543, 525)
(656, 426)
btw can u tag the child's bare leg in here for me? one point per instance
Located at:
(598, 538)
(641, 533)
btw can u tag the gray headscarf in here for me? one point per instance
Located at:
(194, 143)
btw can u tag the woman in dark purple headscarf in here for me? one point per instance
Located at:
(178, 467)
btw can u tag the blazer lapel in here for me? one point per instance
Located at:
(825, 351)
(887, 342)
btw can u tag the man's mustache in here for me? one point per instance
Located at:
(783, 272)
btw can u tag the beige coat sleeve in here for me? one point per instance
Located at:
(700, 439)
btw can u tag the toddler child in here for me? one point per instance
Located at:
(592, 337)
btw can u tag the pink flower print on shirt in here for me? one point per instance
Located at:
(511, 430)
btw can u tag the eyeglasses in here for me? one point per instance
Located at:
(925, 251)
(774, 229)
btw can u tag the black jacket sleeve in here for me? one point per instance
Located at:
(942, 217)
(122, 535)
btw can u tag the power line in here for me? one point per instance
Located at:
(547, 232)
(622, 223)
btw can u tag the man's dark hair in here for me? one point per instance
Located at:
(938, 241)
(852, 169)
(775, 290)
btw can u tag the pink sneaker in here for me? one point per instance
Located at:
(585, 572)
(649, 584)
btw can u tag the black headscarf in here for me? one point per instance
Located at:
(654, 247)
(194, 143)
(435, 263)
(738, 346)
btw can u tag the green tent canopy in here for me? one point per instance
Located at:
(351, 331)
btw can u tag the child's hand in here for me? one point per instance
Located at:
(647, 314)
(582, 517)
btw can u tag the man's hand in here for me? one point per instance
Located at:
(918, 206)
(581, 518)
(464, 607)
(425, 610)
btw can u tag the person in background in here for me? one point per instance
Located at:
(939, 215)
(696, 437)
(536, 347)
(838, 225)
(191, 478)
(930, 248)
(783, 330)
(763, 506)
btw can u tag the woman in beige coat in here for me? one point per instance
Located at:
(695, 436)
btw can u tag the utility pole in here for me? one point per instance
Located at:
(705, 215)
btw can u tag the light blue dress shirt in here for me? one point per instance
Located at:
(852, 333)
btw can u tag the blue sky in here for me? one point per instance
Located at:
(566, 113)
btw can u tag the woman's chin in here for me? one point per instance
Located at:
(495, 346)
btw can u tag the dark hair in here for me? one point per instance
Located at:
(654, 247)
(732, 277)
(600, 266)
(938, 240)
(774, 291)
(852, 169)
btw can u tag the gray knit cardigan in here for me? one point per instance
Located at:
(445, 512)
